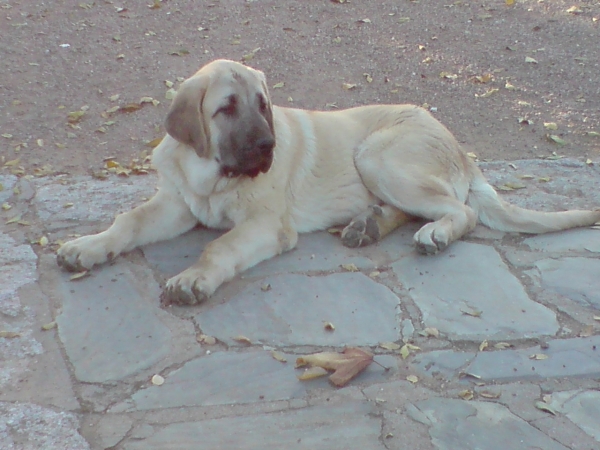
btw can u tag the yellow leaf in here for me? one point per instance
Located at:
(488, 93)
(168, 83)
(538, 356)
(40, 142)
(49, 326)
(114, 98)
(483, 345)
(43, 241)
(154, 142)
(9, 334)
(510, 2)
(312, 372)
(466, 394)
(488, 394)
(448, 75)
(529, 59)
(545, 407)
(412, 378)
(278, 85)
(555, 138)
(348, 86)
(502, 345)
(75, 116)
(351, 267)
(205, 339)
(404, 352)
(79, 275)
(403, 19)
(550, 126)
(328, 326)
(472, 312)
(278, 356)
(242, 340)
(15, 219)
(170, 94)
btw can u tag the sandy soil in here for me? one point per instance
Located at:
(494, 74)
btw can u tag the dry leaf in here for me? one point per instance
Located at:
(528, 59)
(593, 133)
(278, 85)
(206, 339)
(346, 365)
(43, 241)
(9, 334)
(555, 138)
(509, 86)
(403, 19)
(448, 75)
(488, 394)
(278, 356)
(538, 356)
(180, 52)
(483, 345)
(486, 78)
(545, 407)
(412, 378)
(550, 126)
(365, 20)
(471, 312)
(328, 326)
(130, 107)
(312, 372)
(49, 326)
(502, 345)
(510, 2)
(157, 380)
(348, 86)
(79, 275)
(351, 267)
(265, 287)
(430, 332)
(389, 345)
(488, 93)
(242, 340)
(587, 331)
(466, 394)
(575, 10)
(596, 318)
(154, 142)
(170, 94)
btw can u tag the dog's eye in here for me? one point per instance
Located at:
(262, 104)
(230, 108)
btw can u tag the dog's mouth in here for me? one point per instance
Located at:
(250, 169)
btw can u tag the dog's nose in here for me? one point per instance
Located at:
(265, 145)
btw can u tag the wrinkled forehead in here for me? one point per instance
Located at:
(239, 81)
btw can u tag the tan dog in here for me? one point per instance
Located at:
(231, 160)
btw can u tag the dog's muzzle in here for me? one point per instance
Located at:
(252, 161)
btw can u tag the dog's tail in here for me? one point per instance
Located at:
(497, 214)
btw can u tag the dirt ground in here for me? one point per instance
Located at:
(494, 74)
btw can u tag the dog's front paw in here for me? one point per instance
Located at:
(83, 253)
(431, 239)
(187, 288)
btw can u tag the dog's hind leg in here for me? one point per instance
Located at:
(372, 225)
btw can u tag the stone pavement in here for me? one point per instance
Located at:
(507, 330)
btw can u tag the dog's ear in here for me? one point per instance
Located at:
(269, 113)
(184, 120)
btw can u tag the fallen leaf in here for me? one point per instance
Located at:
(389, 345)
(529, 59)
(466, 394)
(555, 138)
(448, 75)
(169, 84)
(502, 345)
(472, 312)
(312, 373)
(9, 334)
(575, 10)
(348, 86)
(403, 19)
(486, 78)
(242, 339)
(206, 339)
(365, 20)
(7, 135)
(146, 100)
(346, 365)
(351, 267)
(374, 274)
(430, 332)
(412, 378)
(328, 326)
(180, 52)
(278, 356)
(510, 2)
(49, 326)
(79, 275)
(43, 241)
(543, 179)
(538, 356)
(155, 5)
(13, 220)
(488, 93)
(368, 77)
(40, 142)
(509, 86)
(488, 394)
(483, 345)
(597, 318)
(472, 155)
(170, 94)
(593, 133)
(130, 107)
(278, 85)
(154, 142)
(550, 126)
(157, 380)
(545, 407)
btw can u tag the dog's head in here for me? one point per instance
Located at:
(224, 112)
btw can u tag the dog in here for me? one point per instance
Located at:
(231, 160)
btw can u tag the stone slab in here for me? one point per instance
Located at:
(576, 278)
(456, 424)
(472, 277)
(580, 240)
(109, 325)
(93, 200)
(581, 407)
(351, 425)
(224, 378)
(293, 310)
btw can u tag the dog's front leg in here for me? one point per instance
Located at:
(163, 217)
(244, 246)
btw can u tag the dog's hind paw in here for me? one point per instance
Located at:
(363, 230)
